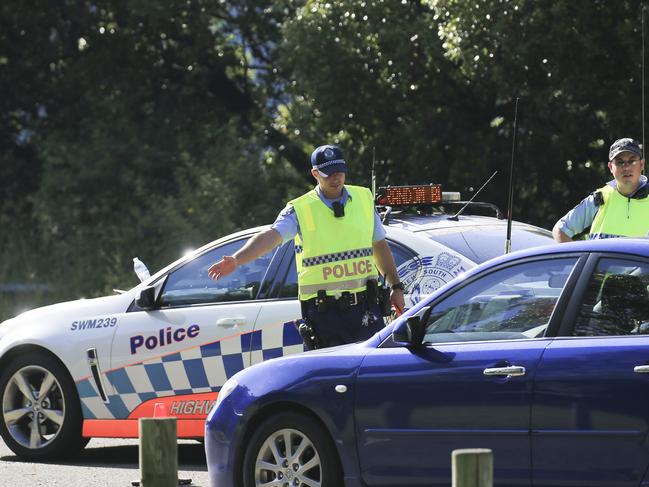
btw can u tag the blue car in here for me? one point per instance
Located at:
(541, 355)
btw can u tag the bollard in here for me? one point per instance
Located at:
(473, 467)
(158, 452)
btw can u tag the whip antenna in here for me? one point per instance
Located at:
(374, 174)
(455, 217)
(510, 202)
(643, 68)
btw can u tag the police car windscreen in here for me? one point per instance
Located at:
(481, 243)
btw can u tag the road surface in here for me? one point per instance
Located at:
(104, 462)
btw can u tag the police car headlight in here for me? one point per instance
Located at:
(229, 386)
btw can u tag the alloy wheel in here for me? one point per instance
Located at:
(288, 458)
(33, 407)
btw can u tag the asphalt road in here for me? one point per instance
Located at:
(104, 462)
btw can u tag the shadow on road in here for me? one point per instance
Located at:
(191, 456)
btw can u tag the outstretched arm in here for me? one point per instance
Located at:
(260, 244)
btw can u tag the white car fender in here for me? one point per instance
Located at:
(65, 329)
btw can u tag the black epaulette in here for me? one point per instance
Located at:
(599, 198)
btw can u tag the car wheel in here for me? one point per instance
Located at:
(41, 415)
(291, 449)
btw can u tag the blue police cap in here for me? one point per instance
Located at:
(328, 159)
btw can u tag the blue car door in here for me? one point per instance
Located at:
(591, 407)
(470, 385)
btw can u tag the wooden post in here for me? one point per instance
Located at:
(158, 452)
(473, 467)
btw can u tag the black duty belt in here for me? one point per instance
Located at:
(338, 303)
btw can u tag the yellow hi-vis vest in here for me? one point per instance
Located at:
(620, 216)
(334, 254)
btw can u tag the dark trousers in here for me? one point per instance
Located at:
(336, 327)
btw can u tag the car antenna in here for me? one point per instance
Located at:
(374, 195)
(373, 173)
(455, 217)
(510, 201)
(388, 209)
(643, 83)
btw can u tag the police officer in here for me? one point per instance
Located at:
(339, 244)
(618, 209)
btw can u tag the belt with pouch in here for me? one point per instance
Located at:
(338, 303)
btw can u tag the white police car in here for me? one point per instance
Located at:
(91, 368)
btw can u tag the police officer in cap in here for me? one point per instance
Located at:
(340, 247)
(618, 209)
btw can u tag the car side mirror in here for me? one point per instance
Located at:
(412, 330)
(145, 298)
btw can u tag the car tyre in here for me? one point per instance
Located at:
(41, 415)
(291, 449)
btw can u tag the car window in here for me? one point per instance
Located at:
(616, 301)
(480, 243)
(289, 289)
(515, 302)
(401, 256)
(400, 253)
(289, 285)
(272, 284)
(190, 284)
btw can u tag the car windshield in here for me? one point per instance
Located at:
(480, 243)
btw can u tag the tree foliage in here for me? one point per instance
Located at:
(139, 131)
(576, 67)
(373, 75)
(147, 128)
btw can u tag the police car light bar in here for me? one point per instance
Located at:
(409, 195)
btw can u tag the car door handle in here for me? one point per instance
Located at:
(511, 371)
(230, 322)
(641, 369)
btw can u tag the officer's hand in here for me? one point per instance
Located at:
(397, 300)
(222, 268)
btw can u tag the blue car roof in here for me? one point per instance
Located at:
(638, 246)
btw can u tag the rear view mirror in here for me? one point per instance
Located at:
(145, 298)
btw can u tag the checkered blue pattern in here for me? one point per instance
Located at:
(267, 343)
(337, 256)
(193, 371)
(329, 163)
